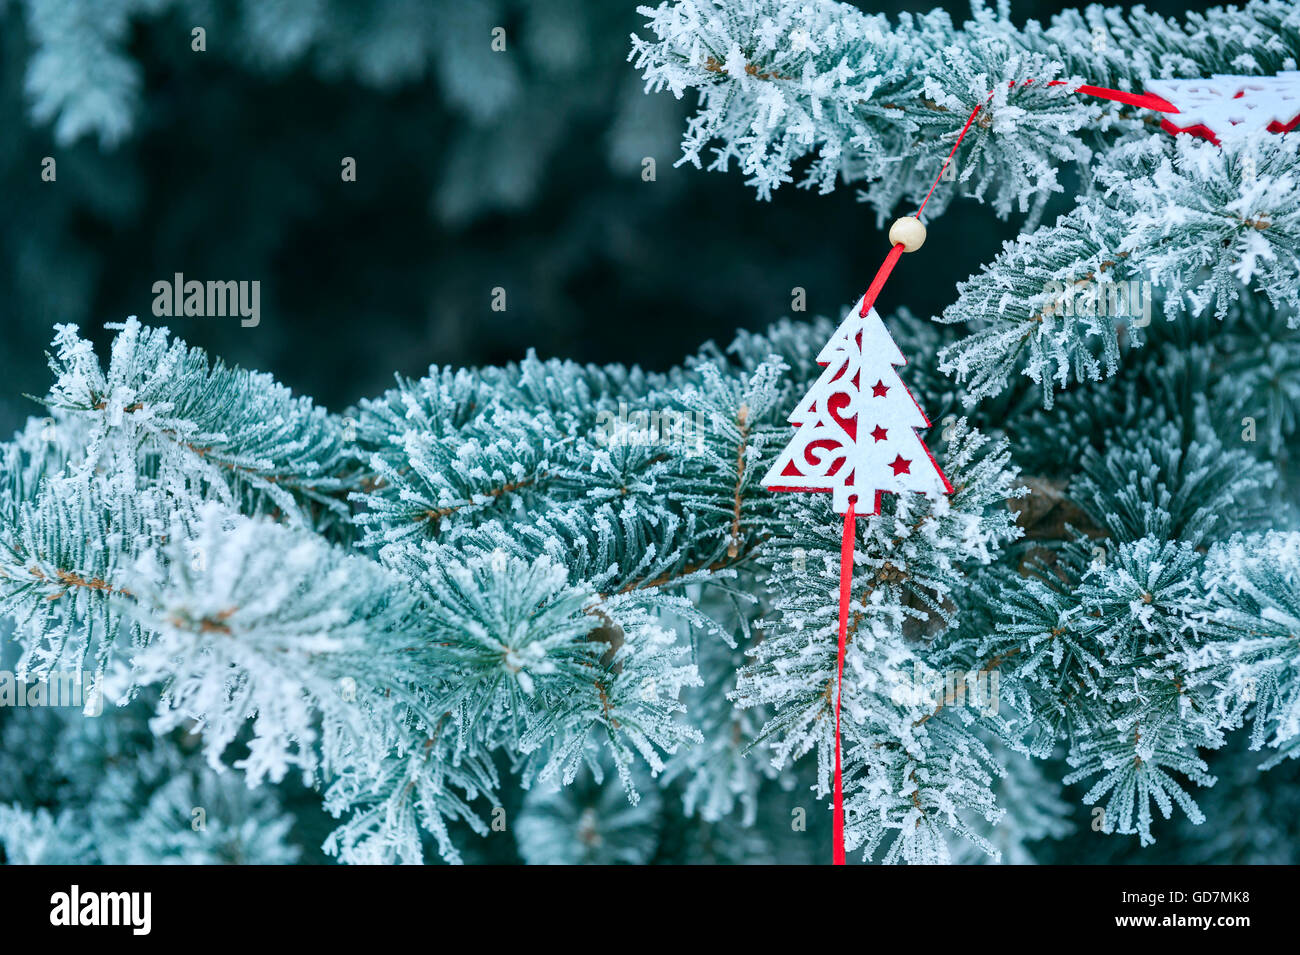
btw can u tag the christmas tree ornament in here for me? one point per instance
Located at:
(857, 424)
(856, 438)
(1214, 107)
(1222, 106)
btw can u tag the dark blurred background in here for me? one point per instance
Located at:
(475, 170)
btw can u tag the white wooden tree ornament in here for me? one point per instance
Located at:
(856, 434)
(1221, 106)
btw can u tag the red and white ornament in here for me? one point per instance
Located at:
(856, 434)
(1221, 106)
(1214, 107)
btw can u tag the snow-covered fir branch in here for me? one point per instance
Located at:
(877, 102)
(555, 597)
(569, 596)
(546, 593)
(1187, 220)
(843, 95)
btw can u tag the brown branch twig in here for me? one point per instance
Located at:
(742, 418)
(714, 65)
(71, 579)
(432, 514)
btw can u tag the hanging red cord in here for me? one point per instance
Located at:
(846, 584)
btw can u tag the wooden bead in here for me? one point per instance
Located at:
(909, 231)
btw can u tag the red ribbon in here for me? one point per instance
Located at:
(846, 586)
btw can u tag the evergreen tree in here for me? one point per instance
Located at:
(547, 611)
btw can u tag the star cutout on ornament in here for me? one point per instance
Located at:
(879, 433)
(900, 466)
(878, 389)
